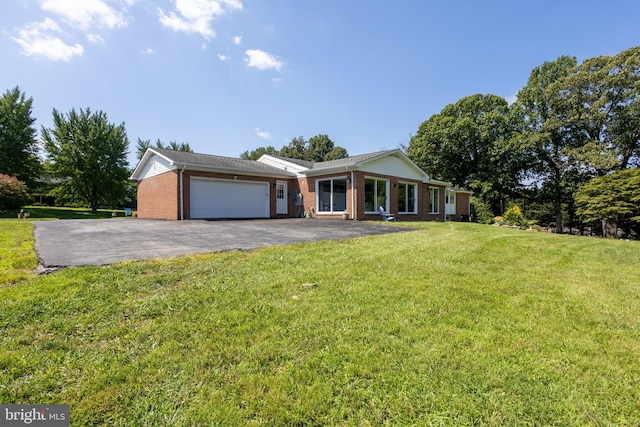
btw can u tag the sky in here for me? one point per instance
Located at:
(227, 76)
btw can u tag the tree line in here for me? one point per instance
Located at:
(319, 148)
(567, 150)
(85, 156)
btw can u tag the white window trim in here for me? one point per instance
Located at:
(438, 205)
(333, 178)
(415, 195)
(387, 187)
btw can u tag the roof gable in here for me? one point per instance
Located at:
(390, 162)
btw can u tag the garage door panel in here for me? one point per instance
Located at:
(228, 199)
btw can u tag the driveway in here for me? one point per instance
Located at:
(80, 242)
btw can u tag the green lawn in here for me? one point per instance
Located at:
(48, 212)
(453, 324)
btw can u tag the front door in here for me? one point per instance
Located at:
(282, 203)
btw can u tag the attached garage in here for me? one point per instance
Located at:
(214, 198)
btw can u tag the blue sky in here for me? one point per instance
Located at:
(232, 75)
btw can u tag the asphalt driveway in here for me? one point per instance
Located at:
(80, 242)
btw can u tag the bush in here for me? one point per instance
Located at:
(13, 192)
(480, 211)
(514, 216)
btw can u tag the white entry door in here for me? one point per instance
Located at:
(282, 202)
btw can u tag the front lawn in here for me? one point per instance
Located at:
(453, 324)
(51, 212)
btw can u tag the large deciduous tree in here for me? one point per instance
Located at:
(601, 98)
(88, 154)
(18, 145)
(470, 143)
(546, 131)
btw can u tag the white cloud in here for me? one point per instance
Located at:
(147, 51)
(39, 39)
(263, 134)
(196, 16)
(222, 57)
(262, 60)
(43, 39)
(94, 38)
(86, 14)
(512, 99)
(237, 40)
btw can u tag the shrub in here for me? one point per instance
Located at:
(13, 192)
(514, 216)
(480, 211)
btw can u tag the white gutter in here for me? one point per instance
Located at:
(182, 194)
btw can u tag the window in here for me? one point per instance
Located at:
(332, 195)
(375, 194)
(434, 200)
(407, 197)
(449, 197)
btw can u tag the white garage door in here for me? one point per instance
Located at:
(229, 199)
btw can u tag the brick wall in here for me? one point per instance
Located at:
(462, 205)
(158, 196)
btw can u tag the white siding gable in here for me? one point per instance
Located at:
(156, 165)
(391, 165)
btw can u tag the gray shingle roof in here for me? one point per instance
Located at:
(209, 161)
(348, 161)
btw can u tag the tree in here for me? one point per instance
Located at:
(545, 130)
(143, 145)
(613, 199)
(258, 152)
(89, 155)
(13, 192)
(470, 143)
(18, 145)
(319, 148)
(601, 97)
(296, 149)
(336, 153)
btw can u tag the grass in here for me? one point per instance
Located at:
(453, 324)
(49, 212)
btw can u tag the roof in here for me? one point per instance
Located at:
(209, 162)
(350, 163)
(330, 164)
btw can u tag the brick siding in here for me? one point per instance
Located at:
(158, 196)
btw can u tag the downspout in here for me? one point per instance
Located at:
(353, 208)
(182, 194)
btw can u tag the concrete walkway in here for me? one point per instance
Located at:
(104, 241)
